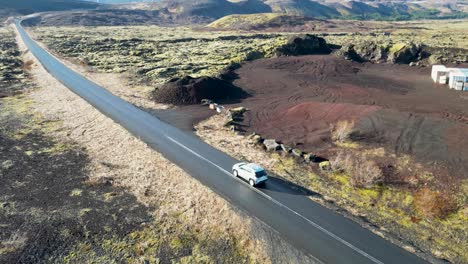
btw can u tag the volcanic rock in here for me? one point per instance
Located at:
(304, 45)
(271, 144)
(188, 90)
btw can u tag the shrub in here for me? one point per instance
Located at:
(363, 173)
(342, 130)
(433, 204)
(341, 162)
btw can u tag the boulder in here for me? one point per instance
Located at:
(349, 53)
(303, 45)
(285, 148)
(297, 152)
(238, 110)
(235, 115)
(371, 51)
(309, 157)
(256, 139)
(271, 144)
(325, 165)
(234, 128)
(252, 135)
(404, 53)
(206, 102)
(229, 122)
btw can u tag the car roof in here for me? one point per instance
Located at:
(255, 167)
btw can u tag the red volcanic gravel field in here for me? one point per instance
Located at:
(297, 99)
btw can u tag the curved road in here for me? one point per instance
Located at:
(316, 230)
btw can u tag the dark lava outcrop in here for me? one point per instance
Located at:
(400, 53)
(303, 45)
(188, 90)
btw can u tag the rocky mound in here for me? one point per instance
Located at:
(188, 90)
(320, 68)
(400, 53)
(304, 45)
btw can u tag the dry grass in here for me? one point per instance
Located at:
(389, 208)
(122, 160)
(363, 173)
(148, 175)
(434, 204)
(341, 132)
(16, 241)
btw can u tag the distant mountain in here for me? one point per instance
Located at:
(118, 2)
(202, 11)
(325, 9)
(25, 7)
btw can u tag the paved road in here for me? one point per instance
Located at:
(317, 231)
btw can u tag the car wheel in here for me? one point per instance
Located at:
(252, 183)
(235, 173)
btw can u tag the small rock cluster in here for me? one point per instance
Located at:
(233, 117)
(271, 145)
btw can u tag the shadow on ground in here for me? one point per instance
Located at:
(47, 204)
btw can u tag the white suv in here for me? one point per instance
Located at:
(250, 172)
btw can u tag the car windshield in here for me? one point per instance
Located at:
(260, 173)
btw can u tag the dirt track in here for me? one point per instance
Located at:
(297, 99)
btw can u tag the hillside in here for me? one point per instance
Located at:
(361, 10)
(264, 21)
(25, 7)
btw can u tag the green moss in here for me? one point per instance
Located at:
(348, 144)
(397, 47)
(84, 211)
(76, 192)
(158, 53)
(109, 196)
(343, 179)
(369, 194)
(233, 21)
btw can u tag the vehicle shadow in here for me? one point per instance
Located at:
(277, 184)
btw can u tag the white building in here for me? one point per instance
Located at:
(458, 79)
(440, 74)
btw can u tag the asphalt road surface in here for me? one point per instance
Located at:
(316, 230)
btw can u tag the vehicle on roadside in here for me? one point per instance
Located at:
(251, 172)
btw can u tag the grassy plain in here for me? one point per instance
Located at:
(156, 54)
